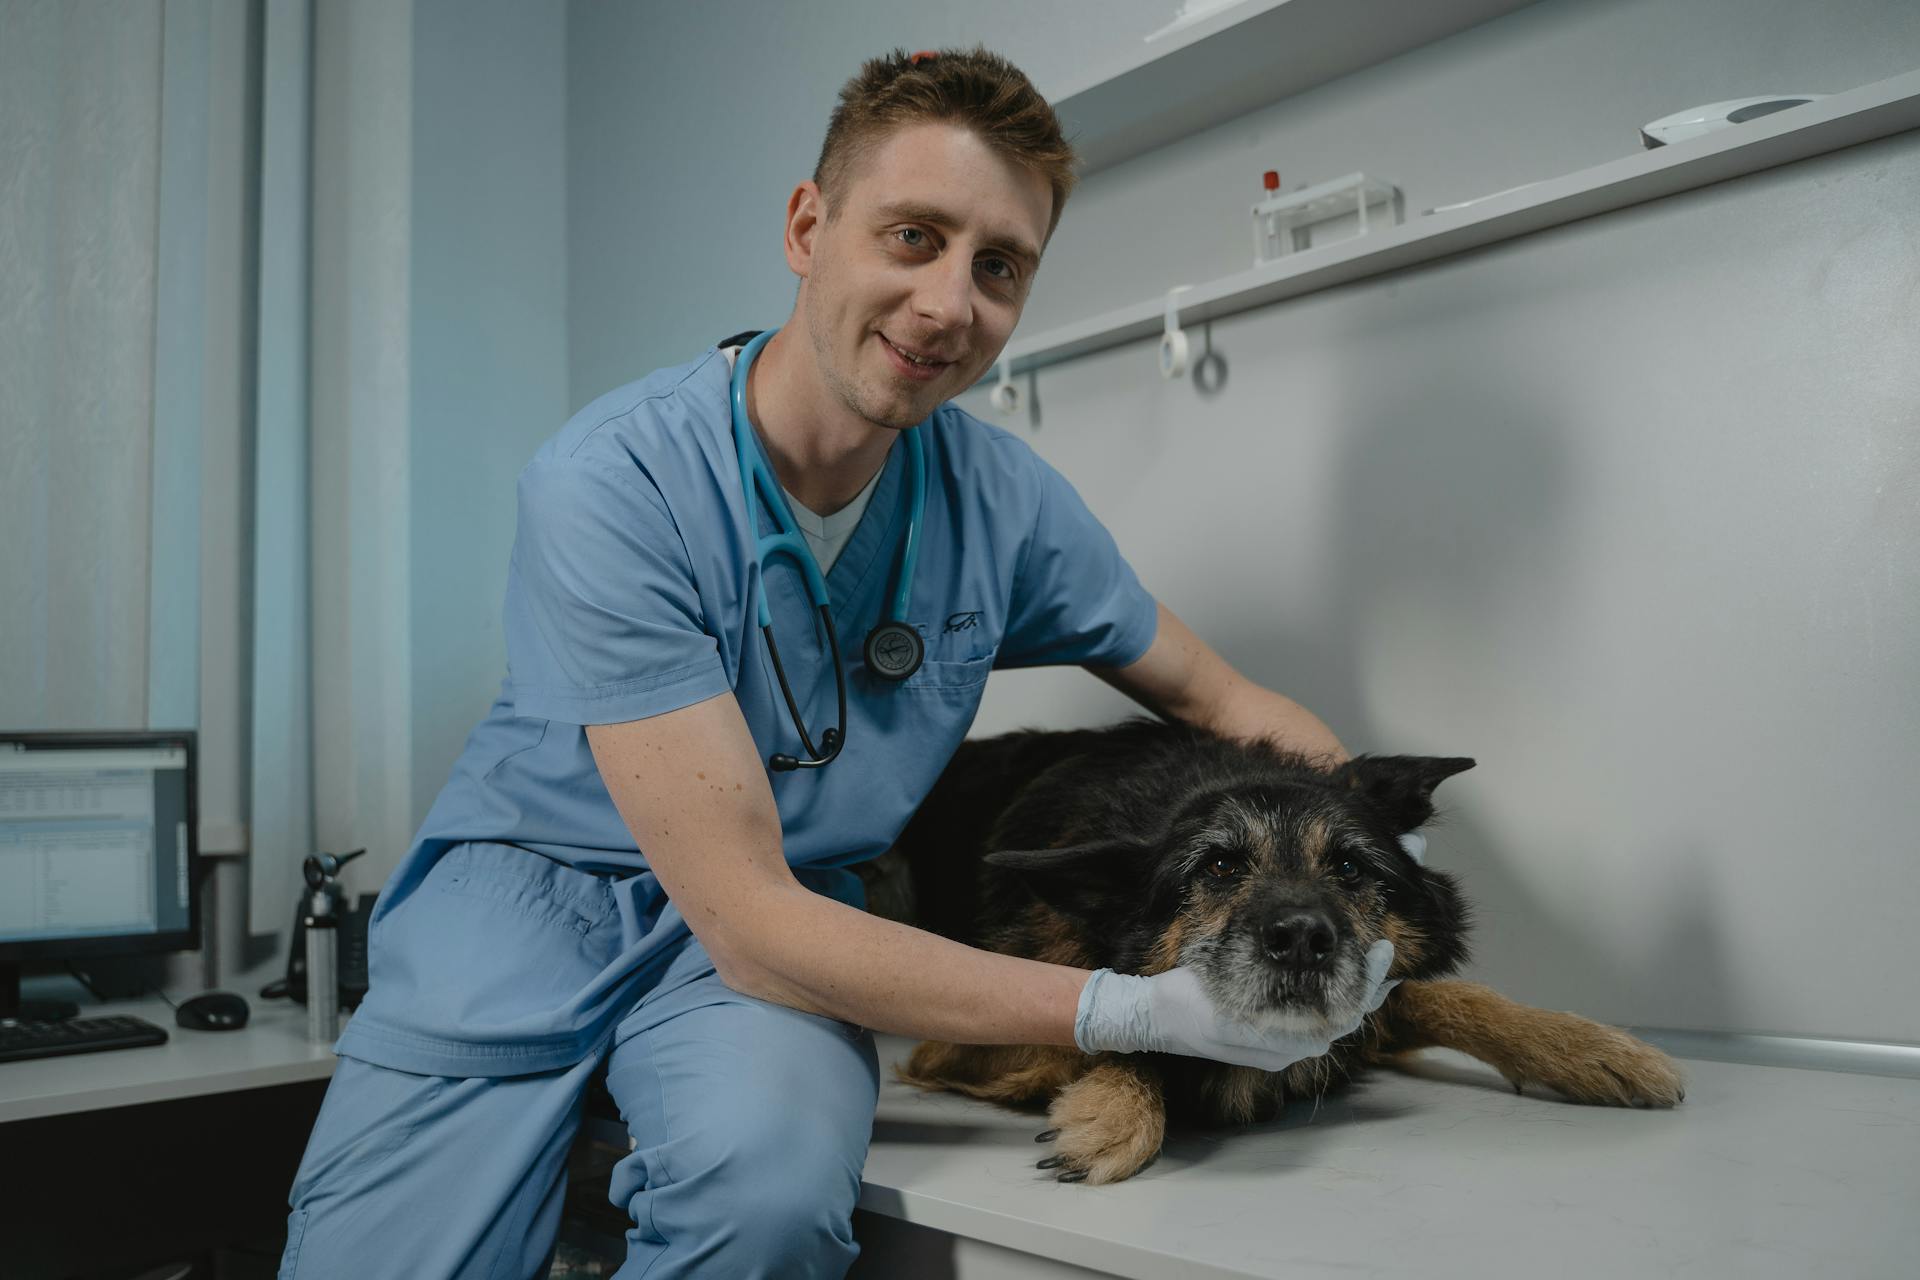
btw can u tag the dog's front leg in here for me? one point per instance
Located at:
(1585, 1060)
(1108, 1124)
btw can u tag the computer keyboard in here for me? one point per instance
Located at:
(22, 1039)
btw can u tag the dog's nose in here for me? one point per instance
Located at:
(1299, 939)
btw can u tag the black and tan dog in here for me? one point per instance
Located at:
(1147, 845)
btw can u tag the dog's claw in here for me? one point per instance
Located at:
(1051, 1162)
(1048, 1136)
(1078, 1175)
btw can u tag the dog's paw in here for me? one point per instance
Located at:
(1591, 1062)
(1108, 1125)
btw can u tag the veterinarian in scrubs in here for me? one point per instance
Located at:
(614, 876)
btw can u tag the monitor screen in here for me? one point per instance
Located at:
(97, 843)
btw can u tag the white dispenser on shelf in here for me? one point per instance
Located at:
(1280, 220)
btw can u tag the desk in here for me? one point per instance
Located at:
(125, 1158)
(271, 1049)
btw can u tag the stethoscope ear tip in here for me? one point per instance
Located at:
(829, 748)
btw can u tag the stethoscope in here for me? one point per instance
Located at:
(893, 649)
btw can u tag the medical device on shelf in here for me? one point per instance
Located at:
(1695, 122)
(1282, 222)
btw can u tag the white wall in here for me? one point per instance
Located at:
(488, 337)
(438, 348)
(1625, 510)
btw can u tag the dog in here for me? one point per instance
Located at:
(1147, 845)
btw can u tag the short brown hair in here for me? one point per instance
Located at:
(973, 88)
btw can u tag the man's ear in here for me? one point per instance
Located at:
(806, 209)
(1087, 881)
(1401, 786)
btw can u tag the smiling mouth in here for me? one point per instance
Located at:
(923, 362)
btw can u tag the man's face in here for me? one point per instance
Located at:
(932, 254)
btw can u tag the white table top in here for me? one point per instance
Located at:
(271, 1049)
(1762, 1171)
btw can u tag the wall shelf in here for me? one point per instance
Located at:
(1246, 56)
(1872, 111)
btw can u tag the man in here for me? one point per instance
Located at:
(614, 874)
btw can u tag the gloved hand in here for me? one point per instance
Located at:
(1170, 1013)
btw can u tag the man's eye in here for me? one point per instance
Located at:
(1009, 275)
(1223, 865)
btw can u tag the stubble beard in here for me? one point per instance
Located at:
(845, 389)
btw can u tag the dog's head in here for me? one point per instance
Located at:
(1271, 886)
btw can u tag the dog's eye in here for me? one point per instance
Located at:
(1349, 871)
(1222, 865)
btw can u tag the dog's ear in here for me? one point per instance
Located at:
(1401, 786)
(1072, 857)
(1088, 881)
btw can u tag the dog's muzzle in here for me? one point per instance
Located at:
(1290, 968)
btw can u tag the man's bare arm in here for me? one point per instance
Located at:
(1181, 678)
(693, 790)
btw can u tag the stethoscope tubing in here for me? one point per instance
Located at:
(757, 482)
(757, 479)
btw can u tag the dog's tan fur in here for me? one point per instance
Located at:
(1109, 1122)
(1585, 1060)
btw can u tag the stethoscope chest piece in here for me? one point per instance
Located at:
(894, 651)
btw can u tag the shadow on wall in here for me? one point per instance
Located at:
(1455, 482)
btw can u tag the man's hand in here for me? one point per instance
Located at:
(1170, 1013)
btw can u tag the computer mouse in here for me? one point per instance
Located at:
(213, 1011)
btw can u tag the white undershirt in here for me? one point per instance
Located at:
(826, 535)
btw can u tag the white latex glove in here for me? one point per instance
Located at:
(1416, 846)
(1170, 1013)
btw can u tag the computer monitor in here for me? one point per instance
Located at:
(99, 848)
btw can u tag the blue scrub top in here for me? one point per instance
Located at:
(631, 593)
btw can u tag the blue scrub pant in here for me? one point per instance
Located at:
(750, 1122)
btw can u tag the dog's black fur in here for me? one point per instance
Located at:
(1149, 845)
